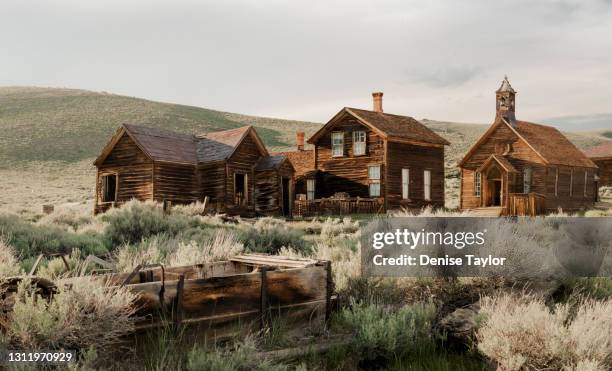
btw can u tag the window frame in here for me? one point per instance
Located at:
(103, 186)
(340, 145)
(405, 183)
(312, 191)
(357, 133)
(478, 184)
(427, 186)
(374, 181)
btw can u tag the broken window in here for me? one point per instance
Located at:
(109, 188)
(240, 189)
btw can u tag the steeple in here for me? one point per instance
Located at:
(505, 101)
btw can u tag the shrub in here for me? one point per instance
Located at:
(192, 209)
(269, 235)
(237, 357)
(89, 314)
(381, 333)
(135, 221)
(221, 246)
(8, 261)
(66, 217)
(338, 227)
(522, 333)
(30, 239)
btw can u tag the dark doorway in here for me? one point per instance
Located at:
(109, 188)
(240, 189)
(496, 189)
(286, 197)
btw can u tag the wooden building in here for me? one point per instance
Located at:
(601, 155)
(228, 167)
(522, 168)
(372, 161)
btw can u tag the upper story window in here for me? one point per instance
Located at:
(527, 180)
(337, 138)
(359, 143)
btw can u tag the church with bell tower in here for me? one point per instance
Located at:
(522, 168)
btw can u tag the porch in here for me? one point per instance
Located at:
(338, 206)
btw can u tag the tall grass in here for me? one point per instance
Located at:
(269, 235)
(8, 260)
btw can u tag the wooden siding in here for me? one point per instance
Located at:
(417, 159)
(347, 173)
(242, 161)
(134, 172)
(605, 171)
(213, 179)
(175, 183)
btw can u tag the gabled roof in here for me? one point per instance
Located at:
(604, 150)
(390, 127)
(501, 160)
(546, 141)
(168, 146)
(270, 162)
(302, 161)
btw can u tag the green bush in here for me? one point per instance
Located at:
(269, 235)
(239, 357)
(30, 239)
(382, 334)
(136, 221)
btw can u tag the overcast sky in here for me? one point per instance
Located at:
(305, 60)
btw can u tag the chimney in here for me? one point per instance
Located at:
(299, 140)
(377, 101)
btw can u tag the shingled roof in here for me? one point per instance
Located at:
(270, 162)
(168, 146)
(604, 150)
(548, 142)
(391, 127)
(302, 161)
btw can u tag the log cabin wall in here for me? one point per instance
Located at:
(347, 173)
(242, 161)
(213, 179)
(569, 197)
(417, 159)
(134, 171)
(267, 196)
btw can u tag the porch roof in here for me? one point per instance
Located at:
(502, 161)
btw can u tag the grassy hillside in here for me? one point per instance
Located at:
(41, 124)
(50, 136)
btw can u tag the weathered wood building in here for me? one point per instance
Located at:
(522, 168)
(371, 161)
(232, 168)
(601, 155)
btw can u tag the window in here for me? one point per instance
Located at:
(556, 182)
(527, 180)
(109, 188)
(337, 143)
(359, 143)
(477, 184)
(427, 184)
(586, 175)
(405, 183)
(374, 178)
(310, 189)
(240, 189)
(571, 182)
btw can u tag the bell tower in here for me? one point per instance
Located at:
(505, 101)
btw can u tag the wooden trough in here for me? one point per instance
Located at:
(245, 290)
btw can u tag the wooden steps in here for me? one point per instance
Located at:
(487, 211)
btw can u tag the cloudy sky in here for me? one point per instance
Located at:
(306, 59)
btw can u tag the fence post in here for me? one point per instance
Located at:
(180, 288)
(263, 304)
(329, 288)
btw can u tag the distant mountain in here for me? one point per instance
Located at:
(601, 121)
(41, 124)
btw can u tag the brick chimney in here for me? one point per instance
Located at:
(377, 97)
(299, 140)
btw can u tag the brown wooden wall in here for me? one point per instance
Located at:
(347, 173)
(133, 169)
(417, 159)
(213, 184)
(175, 183)
(605, 171)
(242, 161)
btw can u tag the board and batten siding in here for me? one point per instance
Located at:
(348, 173)
(417, 159)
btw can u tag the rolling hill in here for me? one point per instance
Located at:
(49, 136)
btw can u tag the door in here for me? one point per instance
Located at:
(286, 196)
(497, 189)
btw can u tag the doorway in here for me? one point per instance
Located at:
(240, 189)
(286, 197)
(496, 189)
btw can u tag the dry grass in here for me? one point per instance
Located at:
(521, 332)
(221, 246)
(8, 261)
(87, 314)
